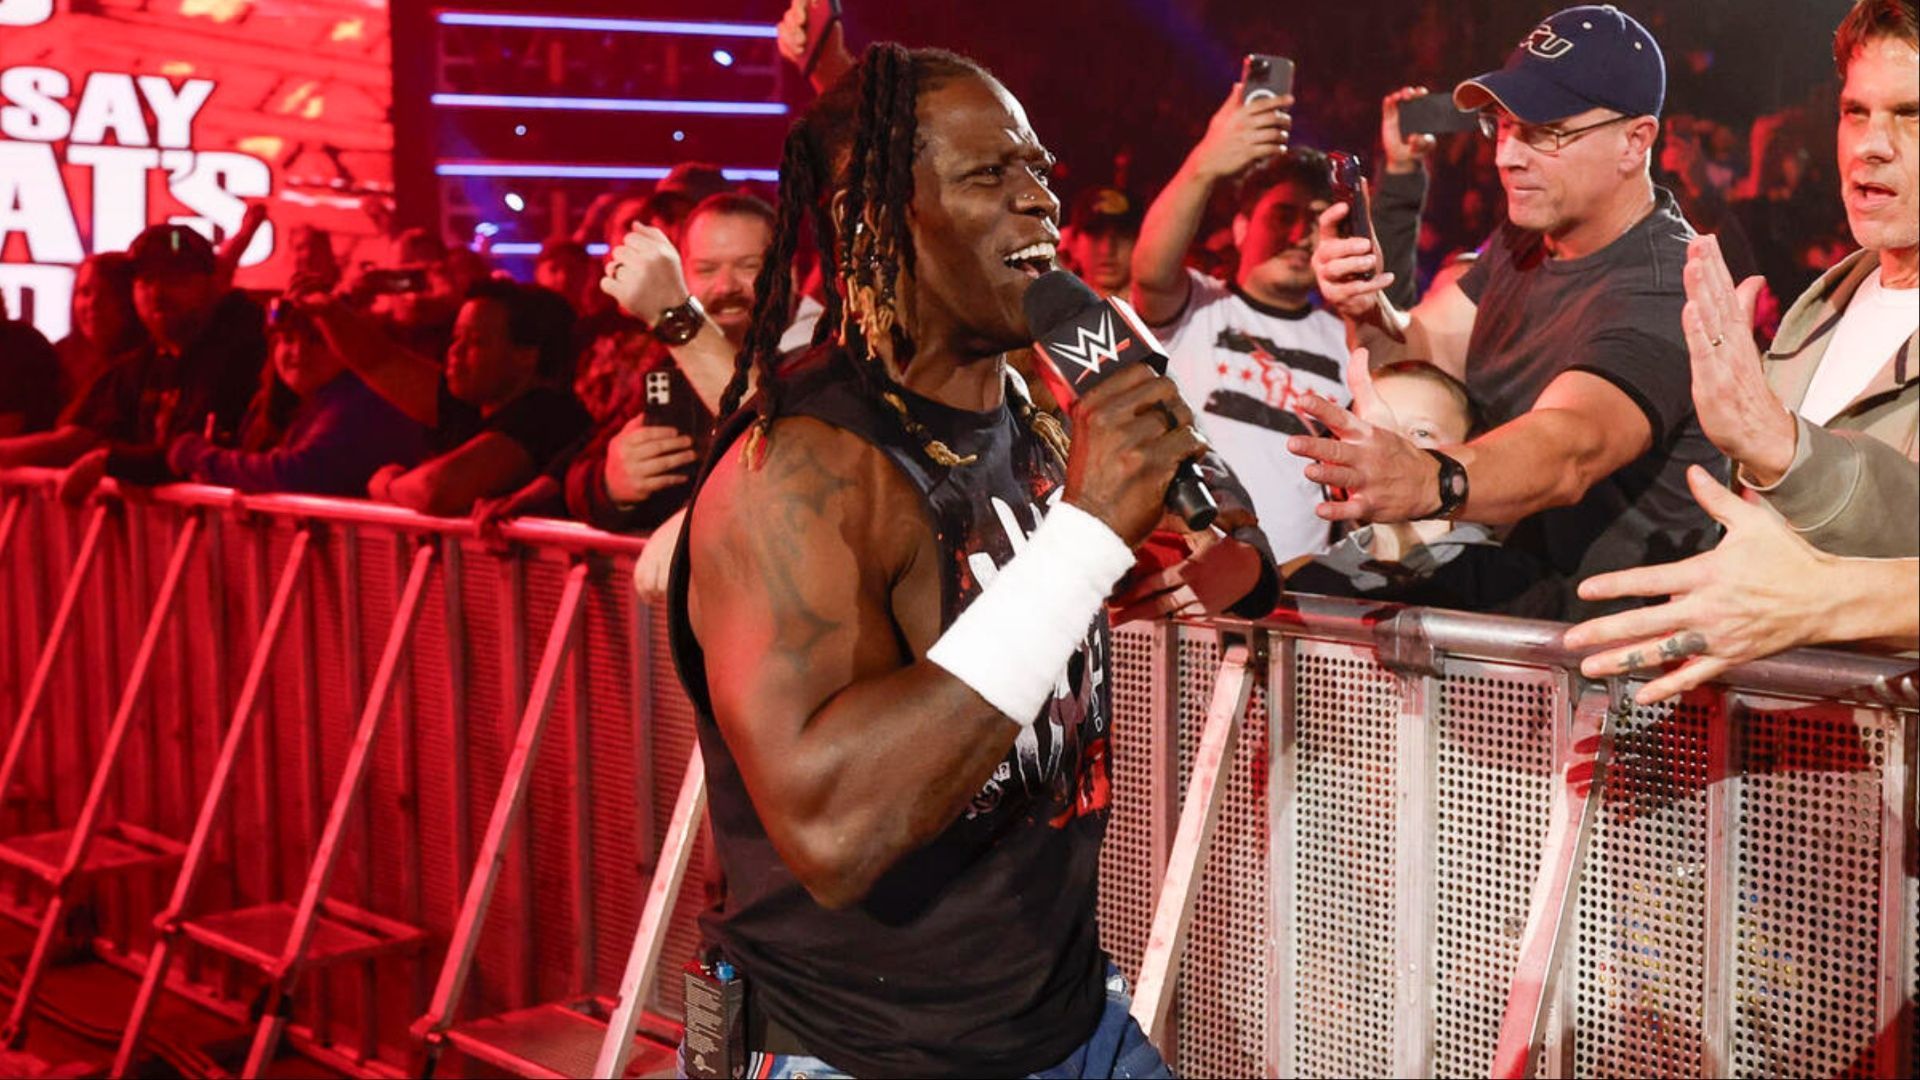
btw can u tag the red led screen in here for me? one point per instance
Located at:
(117, 114)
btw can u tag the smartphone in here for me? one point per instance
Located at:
(284, 317)
(1349, 177)
(1263, 76)
(1434, 114)
(399, 279)
(821, 15)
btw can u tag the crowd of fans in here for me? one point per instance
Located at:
(437, 383)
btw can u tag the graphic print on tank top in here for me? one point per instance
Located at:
(1060, 760)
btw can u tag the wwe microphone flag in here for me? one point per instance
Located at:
(1082, 340)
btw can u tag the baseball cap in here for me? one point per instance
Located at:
(170, 249)
(1593, 56)
(1102, 209)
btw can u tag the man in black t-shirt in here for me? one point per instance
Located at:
(195, 372)
(1566, 331)
(499, 410)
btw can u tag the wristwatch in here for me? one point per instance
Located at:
(678, 324)
(1453, 485)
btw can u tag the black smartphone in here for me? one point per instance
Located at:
(1434, 114)
(1349, 177)
(821, 15)
(1263, 76)
(398, 279)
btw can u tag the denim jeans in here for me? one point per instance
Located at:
(1117, 1049)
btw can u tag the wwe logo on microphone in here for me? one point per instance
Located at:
(1094, 348)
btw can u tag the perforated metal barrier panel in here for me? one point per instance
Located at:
(1746, 904)
(1341, 974)
(1494, 730)
(1128, 863)
(1398, 871)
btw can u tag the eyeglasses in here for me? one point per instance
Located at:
(1541, 138)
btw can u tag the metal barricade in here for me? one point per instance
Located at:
(1396, 828)
(1387, 845)
(574, 877)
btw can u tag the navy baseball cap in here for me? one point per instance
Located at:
(1594, 56)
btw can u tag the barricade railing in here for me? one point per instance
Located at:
(1429, 848)
(1405, 842)
(319, 853)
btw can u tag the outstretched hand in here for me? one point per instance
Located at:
(1738, 410)
(656, 559)
(1756, 594)
(1386, 476)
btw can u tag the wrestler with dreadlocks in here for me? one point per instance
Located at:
(888, 611)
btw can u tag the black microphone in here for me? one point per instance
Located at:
(1082, 341)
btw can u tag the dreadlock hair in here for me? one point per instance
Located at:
(857, 142)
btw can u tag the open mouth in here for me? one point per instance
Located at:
(1873, 194)
(1032, 260)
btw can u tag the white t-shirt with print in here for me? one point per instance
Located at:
(1878, 320)
(1243, 367)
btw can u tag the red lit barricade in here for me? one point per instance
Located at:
(403, 668)
(1389, 887)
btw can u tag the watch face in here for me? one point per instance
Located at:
(1457, 484)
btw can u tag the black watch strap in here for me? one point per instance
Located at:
(1453, 485)
(680, 323)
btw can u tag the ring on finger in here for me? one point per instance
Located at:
(1717, 341)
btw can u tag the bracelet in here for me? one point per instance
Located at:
(1014, 640)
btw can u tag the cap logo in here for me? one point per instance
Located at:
(1546, 44)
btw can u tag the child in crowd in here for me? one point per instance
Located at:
(1435, 562)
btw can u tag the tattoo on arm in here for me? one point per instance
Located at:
(801, 490)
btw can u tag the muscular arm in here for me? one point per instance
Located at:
(1580, 431)
(815, 593)
(1160, 284)
(487, 464)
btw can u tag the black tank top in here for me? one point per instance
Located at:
(977, 955)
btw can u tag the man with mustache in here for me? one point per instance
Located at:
(1247, 353)
(632, 475)
(1566, 330)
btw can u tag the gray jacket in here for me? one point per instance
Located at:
(1854, 485)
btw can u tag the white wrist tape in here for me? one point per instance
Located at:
(1013, 642)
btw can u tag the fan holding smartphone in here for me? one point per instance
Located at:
(812, 37)
(1410, 118)
(1246, 353)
